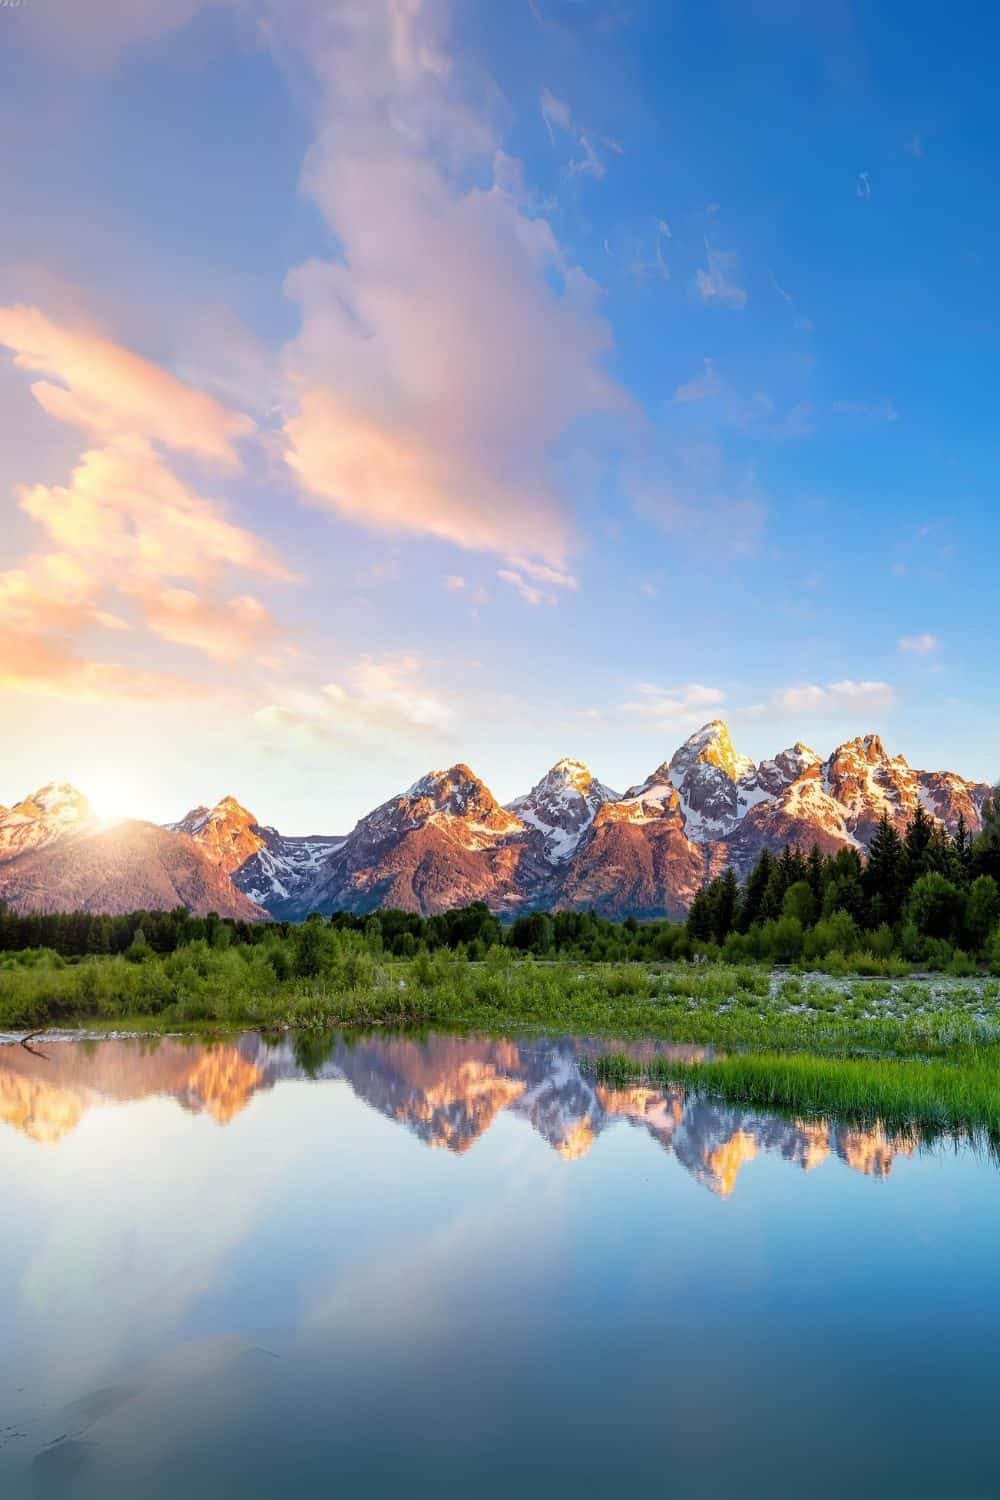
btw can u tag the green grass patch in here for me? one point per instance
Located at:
(932, 1096)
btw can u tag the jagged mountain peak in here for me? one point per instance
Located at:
(455, 799)
(56, 809)
(52, 797)
(713, 781)
(227, 833)
(443, 783)
(562, 806)
(869, 748)
(711, 745)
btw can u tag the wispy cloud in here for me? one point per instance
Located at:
(379, 696)
(717, 282)
(863, 186)
(836, 697)
(109, 391)
(918, 645)
(869, 411)
(694, 492)
(535, 581)
(914, 145)
(756, 415)
(559, 117)
(674, 706)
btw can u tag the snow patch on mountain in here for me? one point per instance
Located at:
(562, 806)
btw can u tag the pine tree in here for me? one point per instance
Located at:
(752, 901)
(884, 878)
(700, 917)
(726, 900)
(986, 847)
(815, 874)
(961, 844)
(916, 845)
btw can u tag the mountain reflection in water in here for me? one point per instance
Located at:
(446, 1090)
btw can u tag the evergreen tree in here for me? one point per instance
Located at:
(917, 844)
(962, 851)
(815, 874)
(986, 846)
(701, 916)
(752, 901)
(884, 878)
(843, 890)
(727, 896)
(982, 911)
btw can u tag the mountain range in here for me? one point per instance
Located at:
(571, 842)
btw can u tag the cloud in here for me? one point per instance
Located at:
(869, 411)
(914, 146)
(227, 630)
(384, 696)
(95, 34)
(674, 706)
(125, 530)
(863, 187)
(692, 491)
(108, 391)
(556, 113)
(716, 283)
(37, 662)
(528, 591)
(918, 645)
(558, 116)
(542, 574)
(756, 415)
(704, 387)
(836, 697)
(453, 343)
(454, 582)
(125, 510)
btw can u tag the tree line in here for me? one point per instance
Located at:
(923, 896)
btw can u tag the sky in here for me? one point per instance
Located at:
(390, 383)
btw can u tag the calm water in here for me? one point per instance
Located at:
(454, 1267)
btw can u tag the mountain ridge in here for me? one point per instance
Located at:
(571, 842)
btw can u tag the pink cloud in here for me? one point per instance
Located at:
(108, 391)
(226, 631)
(124, 507)
(446, 353)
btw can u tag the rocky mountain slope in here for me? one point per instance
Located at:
(53, 812)
(56, 856)
(274, 870)
(444, 842)
(562, 806)
(571, 842)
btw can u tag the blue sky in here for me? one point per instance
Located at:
(391, 383)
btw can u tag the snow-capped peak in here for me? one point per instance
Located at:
(562, 806)
(709, 775)
(56, 809)
(711, 745)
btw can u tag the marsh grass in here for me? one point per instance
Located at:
(321, 978)
(960, 1095)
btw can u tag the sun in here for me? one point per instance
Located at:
(114, 792)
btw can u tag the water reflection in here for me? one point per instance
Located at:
(447, 1090)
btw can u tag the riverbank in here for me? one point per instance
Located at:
(748, 1007)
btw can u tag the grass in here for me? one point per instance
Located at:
(912, 1053)
(731, 1006)
(933, 1096)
